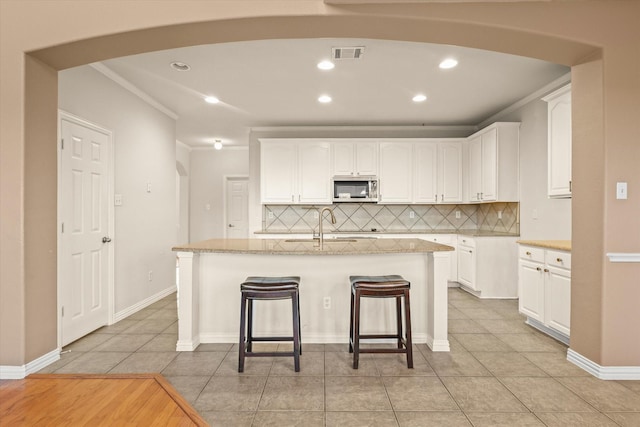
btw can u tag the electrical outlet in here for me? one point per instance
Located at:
(327, 303)
(458, 215)
(499, 214)
(150, 275)
(412, 214)
(270, 215)
(117, 199)
(148, 187)
(534, 214)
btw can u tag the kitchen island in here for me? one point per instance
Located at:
(210, 273)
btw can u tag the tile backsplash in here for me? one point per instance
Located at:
(498, 217)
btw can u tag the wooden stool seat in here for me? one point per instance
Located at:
(268, 288)
(391, 286)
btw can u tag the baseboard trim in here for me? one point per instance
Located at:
(19, 372)
(123, 314)
(604, 372)
(551, 332)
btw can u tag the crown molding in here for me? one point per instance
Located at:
(117, 78)
(183, 145)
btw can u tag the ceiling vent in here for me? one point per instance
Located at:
(355, 52)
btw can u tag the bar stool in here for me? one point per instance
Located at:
(393, 286)
(268, 288)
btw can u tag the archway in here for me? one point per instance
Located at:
(480, 27)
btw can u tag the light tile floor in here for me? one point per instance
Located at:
(500, 372)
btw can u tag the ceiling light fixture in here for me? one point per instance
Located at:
(180, 66)
(419, 98)
(217, 145)
(211, 100)
(448, 63)
(325, 99)
(326, 65)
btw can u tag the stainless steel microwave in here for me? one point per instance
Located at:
(355, 189)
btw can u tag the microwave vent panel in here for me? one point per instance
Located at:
(354, 52)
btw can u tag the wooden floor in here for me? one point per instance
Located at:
(94, 400)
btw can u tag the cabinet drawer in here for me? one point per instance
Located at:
(559, 259)
(531, 254)
(466, 241)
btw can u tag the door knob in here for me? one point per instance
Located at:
(106, 239)
(231, 225)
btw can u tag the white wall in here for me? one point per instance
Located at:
(208, 169)
(144, 146)
(183, 179)
(553, 215)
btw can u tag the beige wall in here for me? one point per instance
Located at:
(606, 120)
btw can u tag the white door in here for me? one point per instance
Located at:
(237, 208)
(84, 241)
(278, 177)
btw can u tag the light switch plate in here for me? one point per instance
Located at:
(621, 191)
(117, 199)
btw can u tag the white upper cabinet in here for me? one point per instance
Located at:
(450, 171)
(351, 158)
(314, 172)
(559, 142)
(295, 171)
(493, 164)
(396, 172)
(438, 172)
(278, 171)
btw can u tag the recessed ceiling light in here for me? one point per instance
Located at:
(211, 100)
(419, 98)
(326, 65)
(180, 66)
(448, 63)
(217, 145)
(324, 99)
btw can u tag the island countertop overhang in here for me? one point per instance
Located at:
(309, 247)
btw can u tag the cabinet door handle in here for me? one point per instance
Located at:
(558, 259)
(570, 186)
(470, 252)
(436, 198)
(538, 268)
(546, 270)
(481, 195)
(298, 197)
(528, 253)
(442, 198)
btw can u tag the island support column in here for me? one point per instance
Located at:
(437, 300)
(188, 301)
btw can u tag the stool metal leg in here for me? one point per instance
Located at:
(351, 323)
(296, 332)
(399, 320)
(242, 334)
(250, 325)
(408, 341)
(356, 329)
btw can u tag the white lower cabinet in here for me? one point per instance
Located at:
(487, 266)
(545, 290)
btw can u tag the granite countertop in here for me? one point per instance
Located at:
(473, 233)
(562, 245)
(308, 246)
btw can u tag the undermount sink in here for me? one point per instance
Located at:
(338, 240)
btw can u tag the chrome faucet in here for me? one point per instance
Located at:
(320, 220)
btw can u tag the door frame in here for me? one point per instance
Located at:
(64, 115)
(225, 181)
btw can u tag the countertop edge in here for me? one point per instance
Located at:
(561, 245)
